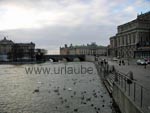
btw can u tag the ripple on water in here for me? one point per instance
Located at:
(56, 93)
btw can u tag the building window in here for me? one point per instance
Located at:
(122, 40)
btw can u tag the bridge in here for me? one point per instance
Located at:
(56, 58)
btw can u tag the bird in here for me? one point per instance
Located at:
(84, 102)
(65, 100)
(98, 109)
(92, 105)
(88, 99)
(82, 98)
(68, 106)
(36, 90)
(74, 92)
(75, 110)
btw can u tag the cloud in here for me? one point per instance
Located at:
(35, 14)
(51, 23)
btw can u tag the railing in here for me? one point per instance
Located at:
(132, 88)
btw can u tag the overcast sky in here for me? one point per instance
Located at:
(53, 23)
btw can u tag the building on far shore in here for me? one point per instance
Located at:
(23, 51)
(132, 39)
(10, 51)
(89, 49)
(5, 49)
(39, 53)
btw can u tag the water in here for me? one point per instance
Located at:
(52, 93)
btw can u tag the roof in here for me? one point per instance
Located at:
(5, 41)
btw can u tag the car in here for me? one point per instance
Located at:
(147, 60)
(141, 62)
(114, 59)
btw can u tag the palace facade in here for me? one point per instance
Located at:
(10, 51)
(89, 49)
(132, 38)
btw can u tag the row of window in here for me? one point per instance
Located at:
(126, 39)
(87, 51)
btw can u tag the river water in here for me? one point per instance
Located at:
(23, 92)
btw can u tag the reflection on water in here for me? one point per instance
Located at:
(23, 93)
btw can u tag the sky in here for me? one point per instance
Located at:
(53, 23)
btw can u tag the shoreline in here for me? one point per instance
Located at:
(20, 62)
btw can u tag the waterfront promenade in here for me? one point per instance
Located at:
(140, 74)
(138, 91)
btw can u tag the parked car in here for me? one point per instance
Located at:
(147, 60)
(141, 62)
(114, 59)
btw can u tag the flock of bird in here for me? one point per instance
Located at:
(86, 98)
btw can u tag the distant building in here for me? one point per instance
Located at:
(64, 50)
(5, 49)
(10, 51)
(23, 52)
(39, 53)
(89, 49)
(132, 39)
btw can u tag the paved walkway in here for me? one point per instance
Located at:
(140, 74)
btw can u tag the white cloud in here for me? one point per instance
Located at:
(67, 21)
(32, 14)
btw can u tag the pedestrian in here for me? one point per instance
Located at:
(145, 65)
(107, 68)
(123, 63)
(98, 63)
(101, 63)
(120, 63)
(113, 68)
(129, 81)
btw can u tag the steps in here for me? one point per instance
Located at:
(109, 80)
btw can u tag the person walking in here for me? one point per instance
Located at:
(123, 63)
(120, 63)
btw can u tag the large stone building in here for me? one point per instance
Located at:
(89, 49)
(23, 51)
(132, 38)
(5, 49)
(10, 51)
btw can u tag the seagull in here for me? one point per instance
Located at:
(74, 92)
(82, 98)
(36, 90)
(88, 99)
(98, 109)
(68, 106)
(75, 110)
(92, 105)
